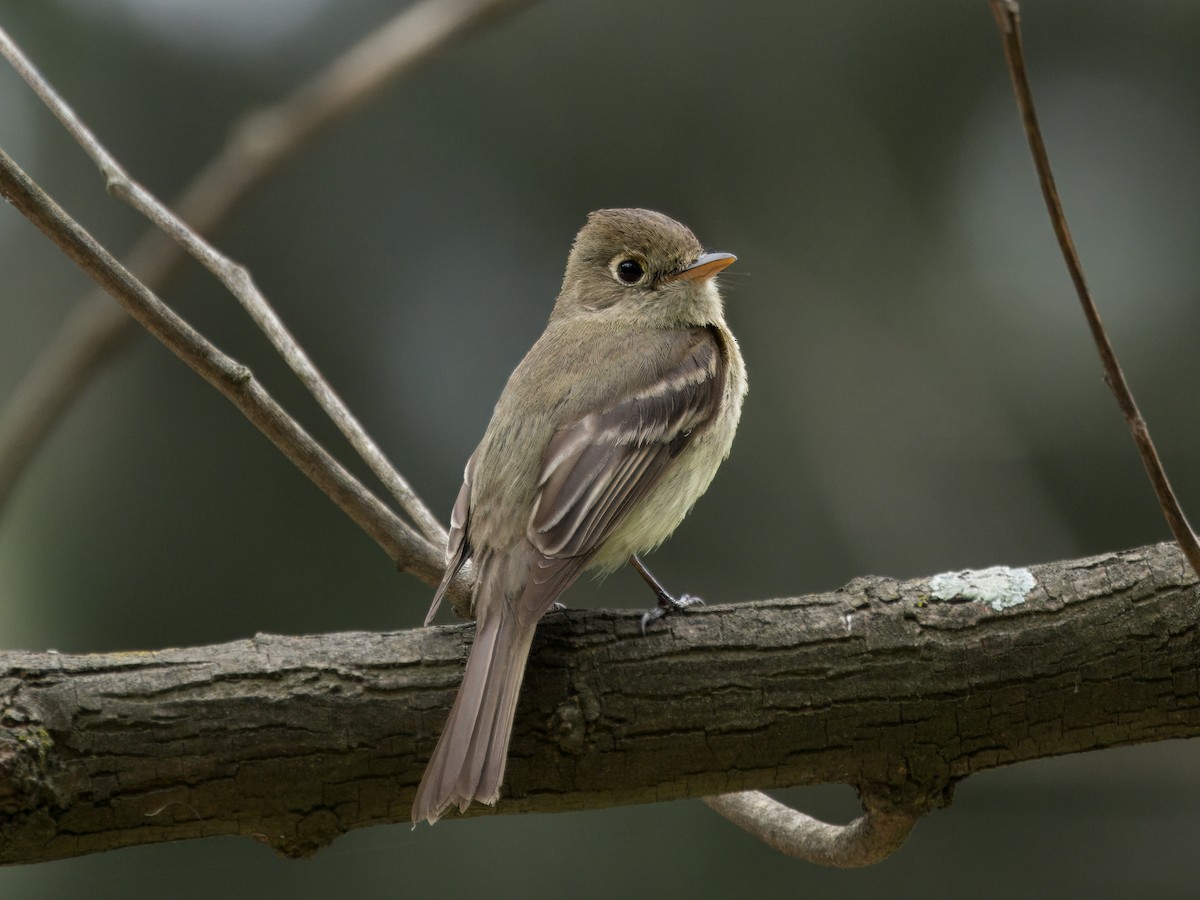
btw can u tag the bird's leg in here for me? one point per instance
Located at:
(666, 602)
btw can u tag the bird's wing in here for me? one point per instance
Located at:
(595, 470)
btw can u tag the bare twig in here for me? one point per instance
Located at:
(237, 279)
(869, 839)
(408, 549)
(1008, 20)
(256, 148)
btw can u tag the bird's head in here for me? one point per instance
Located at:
(639, 266)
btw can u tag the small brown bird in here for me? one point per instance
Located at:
(608, 431)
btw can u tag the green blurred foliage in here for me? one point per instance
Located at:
(924, 395)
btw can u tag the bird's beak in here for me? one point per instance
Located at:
(708, 265)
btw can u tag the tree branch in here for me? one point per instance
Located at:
(256, 148)
(899, 688)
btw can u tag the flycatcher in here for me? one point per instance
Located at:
(608, 431)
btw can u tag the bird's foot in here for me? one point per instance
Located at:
(667, 603)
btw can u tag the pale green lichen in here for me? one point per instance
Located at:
(999, 587)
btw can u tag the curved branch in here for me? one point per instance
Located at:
(899, 688)
(256, 148)
(869, 839)
(1008, 20)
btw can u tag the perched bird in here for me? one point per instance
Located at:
(608, 431)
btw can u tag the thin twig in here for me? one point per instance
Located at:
(239, 282)
(869, 839)
(256, 148)
(1008, 20)
(406, 547)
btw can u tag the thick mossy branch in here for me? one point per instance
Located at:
(881, 685)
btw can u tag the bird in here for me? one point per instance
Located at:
(606, 434)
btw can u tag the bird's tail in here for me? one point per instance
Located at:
(468, 761)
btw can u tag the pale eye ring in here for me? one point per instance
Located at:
(628, 270)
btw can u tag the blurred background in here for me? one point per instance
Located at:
(924, 394)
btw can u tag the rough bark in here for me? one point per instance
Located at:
(295, 740)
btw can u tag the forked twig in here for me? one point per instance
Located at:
(236, 278)
(1008, 20)
(405, 546)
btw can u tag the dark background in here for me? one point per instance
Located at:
(924, 394)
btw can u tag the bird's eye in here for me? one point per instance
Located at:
(629, 271)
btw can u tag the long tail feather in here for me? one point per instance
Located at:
(468, 762)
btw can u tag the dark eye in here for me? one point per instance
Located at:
(629, 271)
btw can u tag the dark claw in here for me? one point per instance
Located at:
(666, 603)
